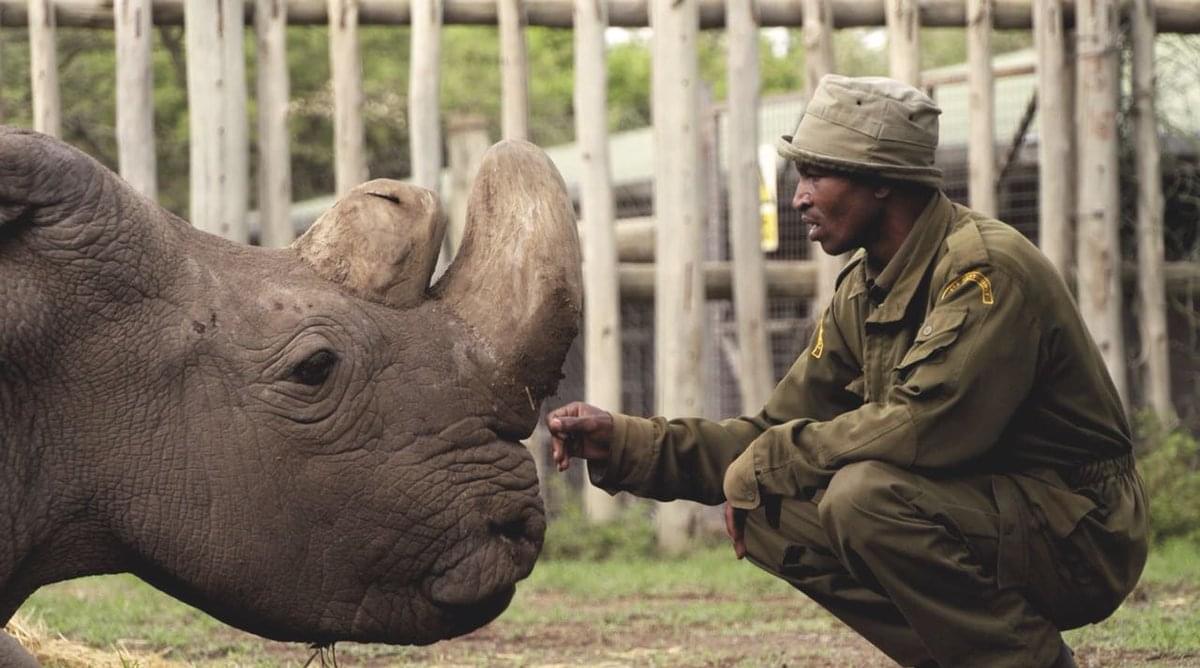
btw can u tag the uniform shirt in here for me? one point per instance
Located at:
(966, 353)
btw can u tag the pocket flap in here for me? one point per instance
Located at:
(940, 329)
(1059, 508)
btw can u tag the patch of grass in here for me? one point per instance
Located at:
(571, 536)
(702, 609)
(1163, 613)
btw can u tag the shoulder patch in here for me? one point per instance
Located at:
(975, 277)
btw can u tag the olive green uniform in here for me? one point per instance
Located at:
(947, 467)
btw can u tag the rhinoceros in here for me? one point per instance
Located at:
(309, 443)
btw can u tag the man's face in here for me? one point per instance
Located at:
(841, 213)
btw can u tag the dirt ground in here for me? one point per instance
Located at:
(649, 632)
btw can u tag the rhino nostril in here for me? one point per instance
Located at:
(513, 529)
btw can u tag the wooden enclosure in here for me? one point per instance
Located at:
(1078, 92)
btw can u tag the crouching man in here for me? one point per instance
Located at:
(947, 467)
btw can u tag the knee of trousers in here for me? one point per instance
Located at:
(860, 501)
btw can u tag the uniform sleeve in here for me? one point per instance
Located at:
(687, 458)
(968, 370)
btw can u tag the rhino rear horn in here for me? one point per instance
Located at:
(516, 280)
(380, 242)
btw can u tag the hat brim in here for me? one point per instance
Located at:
(929, 176)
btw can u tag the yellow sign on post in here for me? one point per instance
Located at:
(768, 210)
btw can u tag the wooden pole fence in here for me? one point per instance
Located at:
(1174, 16)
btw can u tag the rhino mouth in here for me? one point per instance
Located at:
(482, 570)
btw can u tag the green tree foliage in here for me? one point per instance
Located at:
(1170, 464)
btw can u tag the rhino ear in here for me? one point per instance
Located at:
(38, 172)
(380, 242)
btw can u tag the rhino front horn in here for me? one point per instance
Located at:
(516, 280)
(380, 242)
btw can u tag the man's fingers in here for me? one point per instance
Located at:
(735, 523)
(571, 424)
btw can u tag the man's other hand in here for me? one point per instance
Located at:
(735, 527)
(579, 430)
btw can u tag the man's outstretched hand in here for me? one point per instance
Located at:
(579, 430)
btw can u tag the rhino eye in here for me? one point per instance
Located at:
(314, 369)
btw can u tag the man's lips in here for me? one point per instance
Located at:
(813, 228)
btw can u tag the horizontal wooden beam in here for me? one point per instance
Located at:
(798, 278)
(785, 278)
(1176, 16)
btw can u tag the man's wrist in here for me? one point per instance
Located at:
(741, 482)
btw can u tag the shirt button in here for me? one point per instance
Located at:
(927, 330)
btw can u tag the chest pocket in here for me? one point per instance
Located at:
(939, 331)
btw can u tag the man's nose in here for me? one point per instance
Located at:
(802, 198)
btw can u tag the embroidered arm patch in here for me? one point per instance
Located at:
(985, 286)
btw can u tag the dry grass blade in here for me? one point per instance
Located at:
(55, 650)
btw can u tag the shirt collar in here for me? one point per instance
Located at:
(895, 286)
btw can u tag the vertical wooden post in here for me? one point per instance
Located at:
(1055, 135)
(274, 156)
(818, 53)
(1152, 317)
(514, 70)
(425, 135)
(43, 68)
(216, 71)
(346, 67)
(602, 305)
(904, 40)
(981, 110)
(755, 375)
(135, 96)
(466, 142)
(424, 124)
(679, 288)
(1099, 251)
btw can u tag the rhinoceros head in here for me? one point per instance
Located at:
(309, 443)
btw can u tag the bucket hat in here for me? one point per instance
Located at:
(867, 125)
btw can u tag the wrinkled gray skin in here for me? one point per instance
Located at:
(306, 443)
